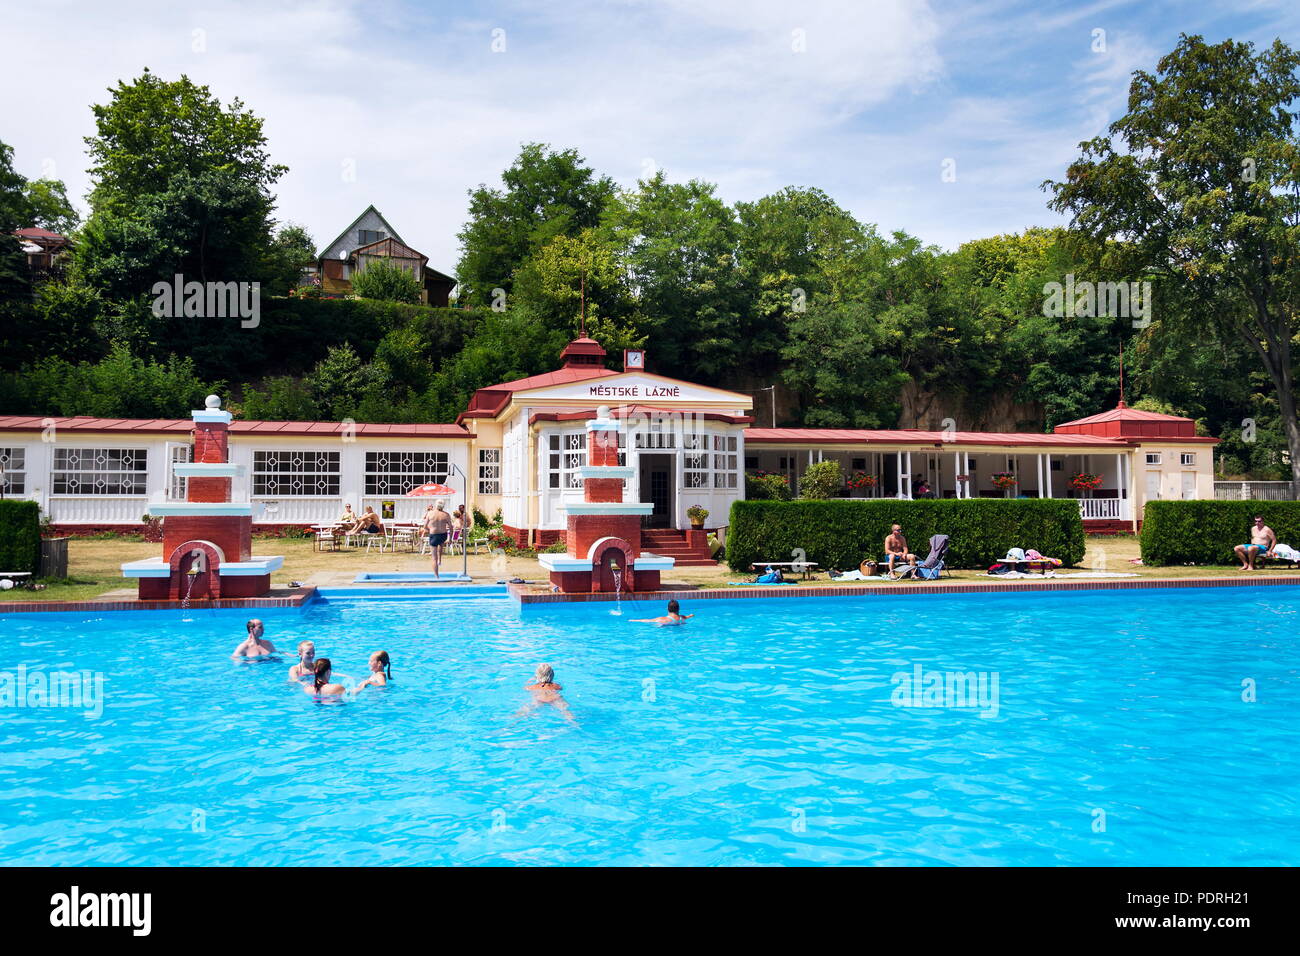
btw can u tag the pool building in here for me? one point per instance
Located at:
(521, 447)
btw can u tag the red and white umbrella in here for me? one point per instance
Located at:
(431, 490)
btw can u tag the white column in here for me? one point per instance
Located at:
(1039, 457)
(679, 476)
(909, 475)
(1047, 470)
(965, 458)
(898, 455)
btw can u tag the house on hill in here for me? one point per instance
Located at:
(369, 239)
(44, 249)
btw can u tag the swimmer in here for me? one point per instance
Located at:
(321, 686)
(254, 645)
(306, 665)
(381, 671)
(674, 616)
(546, 691)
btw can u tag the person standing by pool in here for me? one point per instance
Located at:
(254, 645)
(321, 685)
(381, 671)
(674, 616)
(1262, 542)
(546, 691)
(306, 665)
(896, 548)
(437, 526)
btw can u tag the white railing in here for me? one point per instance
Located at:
(1103, 508)
(1253, 490)
(106, 509)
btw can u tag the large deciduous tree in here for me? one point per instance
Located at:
(1201, 180)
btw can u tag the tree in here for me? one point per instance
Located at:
(290, 252)
(15, 213)
(51, 209)
(1201, 179)
(387, 282)
(546, 194)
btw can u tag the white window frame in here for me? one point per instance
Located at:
(314, 477)
(489, 471)
(725, 461)
(1187, 459)
(1154, 458)
(139, 487)
(14, 481)
(381, 480)
(178, 453)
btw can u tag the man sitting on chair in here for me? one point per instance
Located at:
(1262, 542)
(896, 549)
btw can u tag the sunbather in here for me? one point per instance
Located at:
(896, 549)
(1262, 540)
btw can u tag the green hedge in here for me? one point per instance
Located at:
(841, 533)
(20, 536)
(1205, 532)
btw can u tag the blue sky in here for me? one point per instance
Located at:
(407, 105)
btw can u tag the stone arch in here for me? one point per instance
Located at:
(603, 552)
(207, 582)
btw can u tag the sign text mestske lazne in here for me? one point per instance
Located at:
(635, 391)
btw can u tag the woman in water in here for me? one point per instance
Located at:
(306, 665)
(321, 686)
(546, 691)
(381, 671)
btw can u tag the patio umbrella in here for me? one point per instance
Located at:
(431, 490)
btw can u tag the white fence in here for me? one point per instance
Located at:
(1253, 491)
(1104, 508)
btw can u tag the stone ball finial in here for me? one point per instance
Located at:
(212, 401)
(602, 412)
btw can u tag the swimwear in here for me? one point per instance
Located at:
(436, 540)
(1262, 547)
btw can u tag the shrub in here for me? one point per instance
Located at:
(822, 480)
(767, 486)
(20, 536)
(387, 282)
(842, 532)
(1205, 532)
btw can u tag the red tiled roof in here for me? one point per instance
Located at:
(146, 426)
(36, 232)
(1124, 422)
(489, 402)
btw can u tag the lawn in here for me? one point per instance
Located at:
(93, 567)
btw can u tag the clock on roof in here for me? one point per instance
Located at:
(633, 359)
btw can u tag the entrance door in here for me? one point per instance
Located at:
(657, 488)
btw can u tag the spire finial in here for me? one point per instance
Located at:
(584, 303)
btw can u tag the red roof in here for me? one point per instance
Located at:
(35, 232)
(1124, 422)
(908, 436)
(489, 402)
(145, 426)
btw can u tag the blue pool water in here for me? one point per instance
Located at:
(762, 732)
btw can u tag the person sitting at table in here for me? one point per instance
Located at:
(348, 518)
(368, 523)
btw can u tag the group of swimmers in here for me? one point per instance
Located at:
(312, 672)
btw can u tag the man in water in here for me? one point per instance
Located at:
(674, 616)
(896, 548)
(1262, 542)
(255, 645)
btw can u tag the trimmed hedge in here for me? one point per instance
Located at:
(841, 533)
(1205, 532)
(20, 536)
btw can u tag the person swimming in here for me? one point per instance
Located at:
(321, 686)
(546, 691)
(381, 671)
(306, 665)
(254, 645)
(674, 616)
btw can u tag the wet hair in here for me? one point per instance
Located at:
(383, 659)
(251, 622)
(545, 674)
(323, 669)
(673, 607)
(302, 644)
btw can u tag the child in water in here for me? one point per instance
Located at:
(674, 616)
(306, 666)
(381, 671)
(321, 686)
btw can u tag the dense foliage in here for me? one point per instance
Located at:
(842, 533)
(20, 536)
(1205, 532)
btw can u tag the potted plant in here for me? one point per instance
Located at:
(1085, 482)
(697, 515)
(861, 481)
(152, 527)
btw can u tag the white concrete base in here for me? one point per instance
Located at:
(158, 568)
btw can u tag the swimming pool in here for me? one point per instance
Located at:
(763, 732)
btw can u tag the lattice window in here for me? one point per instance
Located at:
(99, 471)
(489, 471)
(296, 474)
(397, 472)
(726, 462)
(13, 464)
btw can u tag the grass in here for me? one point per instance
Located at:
(94, 567)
